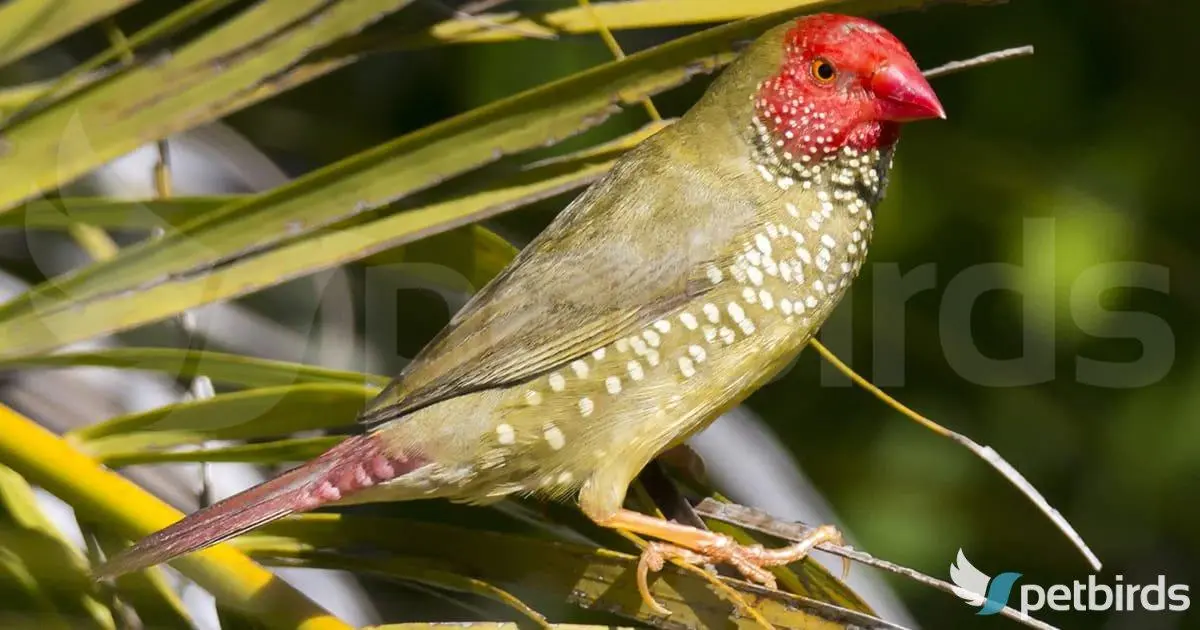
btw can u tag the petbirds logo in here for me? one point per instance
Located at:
(976, 588)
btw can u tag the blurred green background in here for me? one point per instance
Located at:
(1052, 167)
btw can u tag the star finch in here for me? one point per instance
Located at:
(662, 296)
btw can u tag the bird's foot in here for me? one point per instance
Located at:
(752, 561)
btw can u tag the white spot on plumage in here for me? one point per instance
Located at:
(652, 357)
(635, 371)
(689, 321)
(554, 437)
(697, 353)
(505, 433)
(586, 406)
(663, 326)
(533, 397)
(580, 368)
(763, 244)
(765, 299)
(755, 276)
(557, 382)
(687, 367)
(711, 312)
(651, 338)
(735, 311)
(613, 385)
(598, 354)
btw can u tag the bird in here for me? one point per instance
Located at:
(666, 293)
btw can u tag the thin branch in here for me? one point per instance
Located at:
(615, 48)
(760, 521)
(981, 60)
(986, 453)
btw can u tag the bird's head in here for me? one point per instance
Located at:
(845, 83)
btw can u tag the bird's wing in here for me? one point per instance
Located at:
(632, 248)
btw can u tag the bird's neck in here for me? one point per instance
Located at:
(817, 218)
(852, 177)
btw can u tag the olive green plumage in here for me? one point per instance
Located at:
(653, 303)
(662, 296)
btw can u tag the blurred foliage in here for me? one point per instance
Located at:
(1048, 171)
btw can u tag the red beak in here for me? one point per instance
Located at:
(904, 95)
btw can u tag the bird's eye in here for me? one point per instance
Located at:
(823, 71)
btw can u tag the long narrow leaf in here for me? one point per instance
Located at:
(234, 369)
(104, 497)
(411, 163)
(116, 454)
(27, 26)
(541, 572)
(46, 329)
(256, 413)
(35, 322)
(36, 544)
(124, 214)
(153, 101)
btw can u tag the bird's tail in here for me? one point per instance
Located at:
(356, 463)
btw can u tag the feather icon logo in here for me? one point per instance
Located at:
(977, 589)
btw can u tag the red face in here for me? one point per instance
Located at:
(845, 83)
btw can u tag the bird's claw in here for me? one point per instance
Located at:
(752, 561)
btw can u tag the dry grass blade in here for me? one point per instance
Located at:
(767, 524)
(981, 60)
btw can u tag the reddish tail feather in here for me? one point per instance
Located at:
(356, 463)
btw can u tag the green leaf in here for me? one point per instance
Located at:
(85, 73)
(37, 554)
(186, 364)
(251, 414)
(274, 452)
(152, 101)
(391, 171)
(47, 329)
(540, 572)
(110, 213)
(574, 20)
(27, 26)
(43, 318)
(148, 592)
